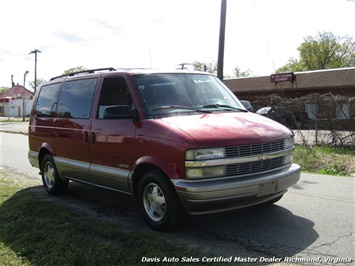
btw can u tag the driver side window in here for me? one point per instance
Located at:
(114, 92)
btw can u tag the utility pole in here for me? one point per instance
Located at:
(183, 65)
(35, 52)
(23, 95)
(222, 29)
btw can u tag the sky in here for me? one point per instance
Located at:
(261, 35)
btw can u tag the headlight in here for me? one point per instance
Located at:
(205, 172)
(288, 159)
(199, 156)
(289, 143)
(205, 154)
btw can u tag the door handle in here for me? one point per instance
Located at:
(93, 138)
(86, 137)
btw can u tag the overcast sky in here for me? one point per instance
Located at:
(261, 35)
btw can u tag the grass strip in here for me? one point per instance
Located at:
(36, 232)
(326, 160)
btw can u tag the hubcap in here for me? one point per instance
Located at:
(49, 175)
(154, 202)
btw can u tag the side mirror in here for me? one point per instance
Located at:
(118, 112)
(247, 105)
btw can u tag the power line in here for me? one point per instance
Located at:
(266, 42)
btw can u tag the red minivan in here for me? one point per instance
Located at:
(176, 141)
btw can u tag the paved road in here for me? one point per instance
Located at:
(314, 220)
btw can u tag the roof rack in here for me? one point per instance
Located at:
(90, 71)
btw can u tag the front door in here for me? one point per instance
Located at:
(112, 140)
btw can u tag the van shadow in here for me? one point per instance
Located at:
(266, 230)
(271, 230)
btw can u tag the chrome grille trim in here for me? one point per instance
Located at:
(227, 161)
(254, 149)
(254, 167)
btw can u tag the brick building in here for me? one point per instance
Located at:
(323, 94)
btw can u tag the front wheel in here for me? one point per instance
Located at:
(158, 201)
(52, 182)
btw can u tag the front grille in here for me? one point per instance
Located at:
(254, 167)
(254, 149)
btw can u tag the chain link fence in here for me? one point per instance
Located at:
(316, 119)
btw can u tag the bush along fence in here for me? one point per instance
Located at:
(316, 119)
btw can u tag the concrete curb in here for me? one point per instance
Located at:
(14, 127)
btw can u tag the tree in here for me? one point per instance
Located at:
(32, 83)
(3, 89)
(74, 69)
(239, 73)
(323, 51)
(293, 65)
(210, 67)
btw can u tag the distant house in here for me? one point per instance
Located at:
(16, 102)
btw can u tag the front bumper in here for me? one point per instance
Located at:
(222, 194)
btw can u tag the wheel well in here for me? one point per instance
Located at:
(138, 174)
(43, 152)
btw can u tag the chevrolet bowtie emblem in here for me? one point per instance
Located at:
(264, 157)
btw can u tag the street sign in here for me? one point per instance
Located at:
(283, 77)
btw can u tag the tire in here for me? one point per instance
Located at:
(158, 202)
(52, 182)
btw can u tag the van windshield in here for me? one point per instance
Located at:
(174, 93)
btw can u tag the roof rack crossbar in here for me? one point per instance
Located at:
(90, 71)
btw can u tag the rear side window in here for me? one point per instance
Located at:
(47, 100)
(76, 99)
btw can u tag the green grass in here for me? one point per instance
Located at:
(326, 160)
(14, 119)
(35, 232)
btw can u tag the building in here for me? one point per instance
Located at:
(16, 102)
(325, 95)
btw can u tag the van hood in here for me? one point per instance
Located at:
(228, 129)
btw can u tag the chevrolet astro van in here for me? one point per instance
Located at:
(178, 142)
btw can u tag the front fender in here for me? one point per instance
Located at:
(169, 168)
(147, 163)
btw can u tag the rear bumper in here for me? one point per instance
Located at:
(33, 158)
(221, 194)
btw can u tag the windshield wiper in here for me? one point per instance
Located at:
(181, 107)
(216, 105)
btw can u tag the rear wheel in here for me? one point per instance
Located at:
(52, 182)
(158, 201)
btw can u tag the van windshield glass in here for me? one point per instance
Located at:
(169, 94)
